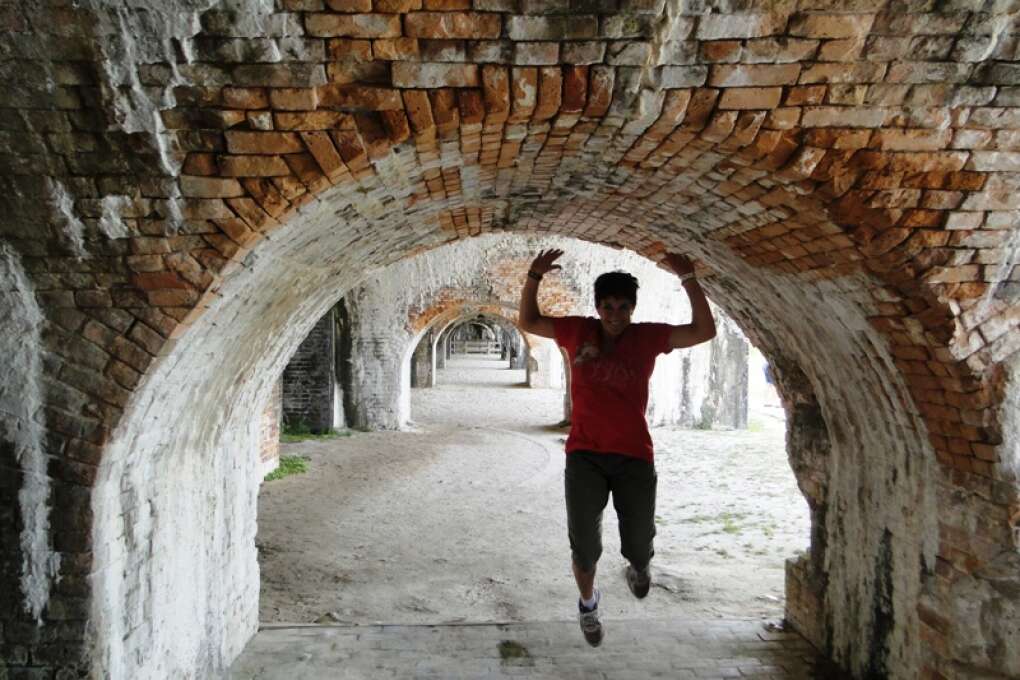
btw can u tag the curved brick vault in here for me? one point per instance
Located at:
(188, 184)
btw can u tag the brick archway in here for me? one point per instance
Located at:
(848, 179)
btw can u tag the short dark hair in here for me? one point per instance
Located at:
(616, 284)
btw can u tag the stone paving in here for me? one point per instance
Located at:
(633, 649)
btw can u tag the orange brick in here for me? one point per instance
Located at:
(600, 91)
(753, 75)
(245, 142)
(359, 97)
(806, 95)
(550, 91)
(396, 6)
(353, 25)
(471, 106)
(419, 111)
(209, 187)
(575, 88)
(434, 75)
(750, 98)
(350, 5)
(199, 164)
(471, 25)
(325, 154)
(245, 98)
(496, 86)
(397, 126)
(524, 93)
(396, 49)
(253, 166)
(312, 120)
(293, 98)
(346, 49)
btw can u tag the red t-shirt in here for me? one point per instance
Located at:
(610, 393)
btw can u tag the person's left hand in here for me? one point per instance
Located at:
(679, 264)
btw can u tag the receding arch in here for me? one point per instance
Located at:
(854, 196)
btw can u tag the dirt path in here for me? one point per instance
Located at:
(462, 519)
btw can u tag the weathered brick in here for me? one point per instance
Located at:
(253, 166)
(750, 98)
(348, 49)
(490, 51)
(830, 25)
(682, 76)
(747, 75)
(725, 26)
(472, 25)
(912, 140)
(778, 50)
(842, 116)
(312, 120)
(353, 25)
(245, 97)
(591, 52)
(447, 5)
(209, 187)
(293, 99)
(396, 6)
(245, 142)
(426, 75)
(396, 49)
(573, 27)
(321, 147)
(524, 92)
(351, 6)
(443, 51)
(359, 98)
(280, 75)
(842, 73)
(536, 53)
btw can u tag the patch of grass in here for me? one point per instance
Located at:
(755, 426)
(729, 526)
(299, 432)
(289, 465)
(513, 652)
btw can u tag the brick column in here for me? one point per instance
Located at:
(423, 363)
(309, 380)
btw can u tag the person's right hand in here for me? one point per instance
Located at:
(545, 262)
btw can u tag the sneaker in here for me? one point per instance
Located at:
(638, 581)
(591, 624)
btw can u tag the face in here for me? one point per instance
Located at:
(614, 312)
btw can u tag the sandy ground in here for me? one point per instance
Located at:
(462, 519)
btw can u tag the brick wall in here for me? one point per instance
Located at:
(186, 190)
(310, 381)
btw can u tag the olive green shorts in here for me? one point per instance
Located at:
(589, 480)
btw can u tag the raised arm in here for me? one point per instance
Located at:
(529, 317)
(702, 325)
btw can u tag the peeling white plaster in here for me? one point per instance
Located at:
(142, 32)
(61, 203)
(111, 223)
(21, 402)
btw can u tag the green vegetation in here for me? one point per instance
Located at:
(299, 432)
(511, 650)
(289, 465)
(729, 526)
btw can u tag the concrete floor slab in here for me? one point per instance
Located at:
(650, 648)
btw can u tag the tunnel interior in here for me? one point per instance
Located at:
(191, 186)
